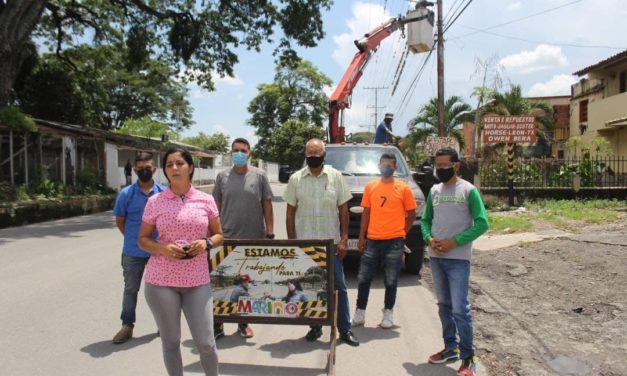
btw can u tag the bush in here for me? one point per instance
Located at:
(7, 192)
(88, 182)
(14, 119)
(48, 188)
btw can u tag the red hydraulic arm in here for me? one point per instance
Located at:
(340, 99)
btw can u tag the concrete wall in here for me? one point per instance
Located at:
(114, 176)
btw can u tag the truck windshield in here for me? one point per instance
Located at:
(361, 160)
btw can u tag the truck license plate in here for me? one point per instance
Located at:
(351, 245)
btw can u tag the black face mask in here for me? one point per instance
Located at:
(314, 162)
(145, 175)
(445, 174)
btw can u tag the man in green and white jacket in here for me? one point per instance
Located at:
(453, 218)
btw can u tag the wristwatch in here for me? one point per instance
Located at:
(269, 236)
(209, 243)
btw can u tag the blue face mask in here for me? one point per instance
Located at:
(386, 171)
(239, 159)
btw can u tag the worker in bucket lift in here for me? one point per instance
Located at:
(384, 131)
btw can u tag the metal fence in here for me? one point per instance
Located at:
(598, 172)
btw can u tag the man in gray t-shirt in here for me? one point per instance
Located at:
(244, 199)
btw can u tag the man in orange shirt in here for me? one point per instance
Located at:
(389, 212)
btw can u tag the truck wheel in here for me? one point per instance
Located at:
(413, 260)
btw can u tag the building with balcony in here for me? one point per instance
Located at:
(561, 121)
(598, 104)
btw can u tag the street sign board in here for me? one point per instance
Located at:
(433, 144)
(512, 129)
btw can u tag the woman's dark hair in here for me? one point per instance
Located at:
(186, 156)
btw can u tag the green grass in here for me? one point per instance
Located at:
(589, 211)
(509, 224)
(560, 213)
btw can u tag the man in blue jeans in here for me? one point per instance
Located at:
(453, 218)
(317, 208)
(128, 211)
(389, 212)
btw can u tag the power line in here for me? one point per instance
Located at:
(451, 13)
(414, 82)
(456, 17)
(451, 10)
(523, 18)
(539, 42)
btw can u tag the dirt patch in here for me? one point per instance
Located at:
(555, 307)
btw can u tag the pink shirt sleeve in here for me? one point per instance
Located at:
(212, 209)
(150, 211)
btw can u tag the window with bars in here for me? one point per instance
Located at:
(583, 111)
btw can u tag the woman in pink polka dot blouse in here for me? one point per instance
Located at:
(177, 273)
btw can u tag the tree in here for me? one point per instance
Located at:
(296, 94)
(194, 37)
(488, 69)
(144, 127)
(218, 141)
(362, 137)
(287, 143)
(103, 87)
(456, 112)
(513, 103)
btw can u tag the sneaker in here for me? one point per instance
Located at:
(314, 333)
(245, 332)
(218, 331)
(387, 322)
(359, 318)
(124, 334)
(444, 356)
(469, 367)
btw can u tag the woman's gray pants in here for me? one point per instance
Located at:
(166, 304)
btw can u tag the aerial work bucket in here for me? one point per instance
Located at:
(420, 33)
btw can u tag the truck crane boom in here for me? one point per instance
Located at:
(367, 46)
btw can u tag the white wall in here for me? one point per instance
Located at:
(272, 171)
(114, 175)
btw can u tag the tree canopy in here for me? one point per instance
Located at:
(513, 103)
(218, 141)
(456, 111)
(362, 137)
(145, 127)
(297, 93)
(287, 143)
(103, 87)
(197, 38)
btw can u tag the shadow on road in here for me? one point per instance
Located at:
(367, 334)
(105, 348)
(426, 369)
(404, 279)
(288, 347)
(226, 342)
(64, 228)
(258, 370)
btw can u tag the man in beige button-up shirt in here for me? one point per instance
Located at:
(317, 208)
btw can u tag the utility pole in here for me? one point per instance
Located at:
(376, 102)
(441, 130)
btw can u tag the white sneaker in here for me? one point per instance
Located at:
(359, 318)
(387, 321)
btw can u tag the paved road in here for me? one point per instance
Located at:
(61, 290)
